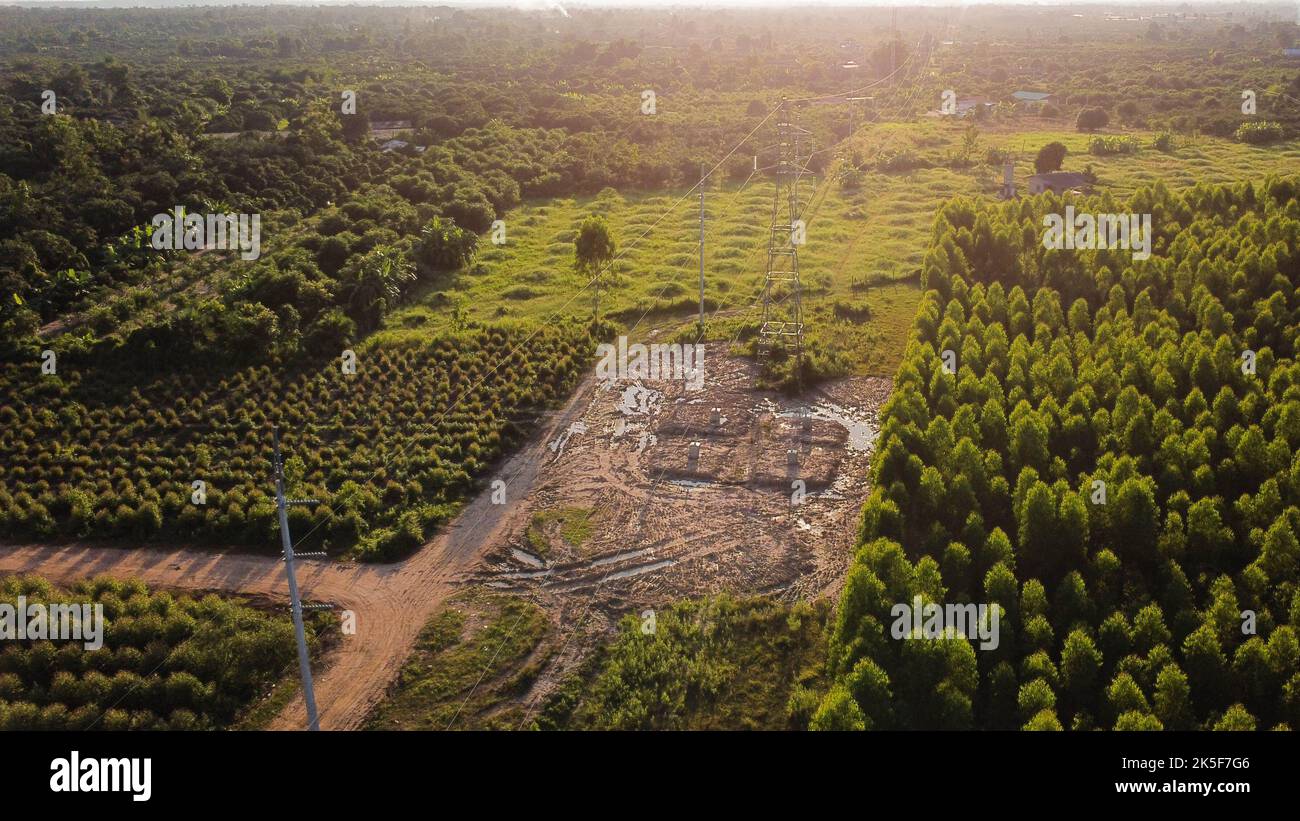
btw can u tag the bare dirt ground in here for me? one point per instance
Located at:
(661, 521)
(607, 511)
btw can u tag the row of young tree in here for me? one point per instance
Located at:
(1108, 449)
(390, 441)
(166, 662)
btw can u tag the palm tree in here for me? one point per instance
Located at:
(376, 284)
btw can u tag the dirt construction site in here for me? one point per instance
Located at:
(633, 495)
(657, 492)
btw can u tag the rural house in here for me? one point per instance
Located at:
(972, 107)
(1031, 99)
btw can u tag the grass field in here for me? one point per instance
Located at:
(712, 663)
(859, 267)
(470, 660)
(716, 663)
(1193, 160)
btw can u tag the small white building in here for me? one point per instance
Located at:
(1058, 182)
(1031, 99)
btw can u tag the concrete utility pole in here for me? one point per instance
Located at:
(304, 663)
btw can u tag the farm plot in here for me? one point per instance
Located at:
(390, 449)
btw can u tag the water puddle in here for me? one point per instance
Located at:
(618, 557)
(690, 484)
(557, 447)
(520, 575)
(526, 558)
(639, 401)
(861, 428)
(646, 568)
(862, 431)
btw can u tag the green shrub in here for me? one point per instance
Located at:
(1258, 132)
(166, 661)
(1091, 119)
(1103, 145)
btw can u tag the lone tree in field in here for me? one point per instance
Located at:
(1049, 158)
(1091, 119)
(592, 251)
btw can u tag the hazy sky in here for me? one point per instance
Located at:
(545, 4)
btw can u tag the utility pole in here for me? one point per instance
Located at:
(893, 45)
(854, 102)
(295, 602)
(702, 179)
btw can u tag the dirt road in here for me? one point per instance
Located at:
(391, 602)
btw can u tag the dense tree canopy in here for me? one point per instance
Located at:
(1115, 463)
(166, 662)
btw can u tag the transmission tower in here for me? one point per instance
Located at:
(782, 329)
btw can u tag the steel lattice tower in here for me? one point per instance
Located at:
(782, 328)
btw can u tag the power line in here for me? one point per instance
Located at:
(575, 295)
(534, 702)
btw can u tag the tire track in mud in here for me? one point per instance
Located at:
(661, 529)
(391, 602)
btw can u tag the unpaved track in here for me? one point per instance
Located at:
(391, 602)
